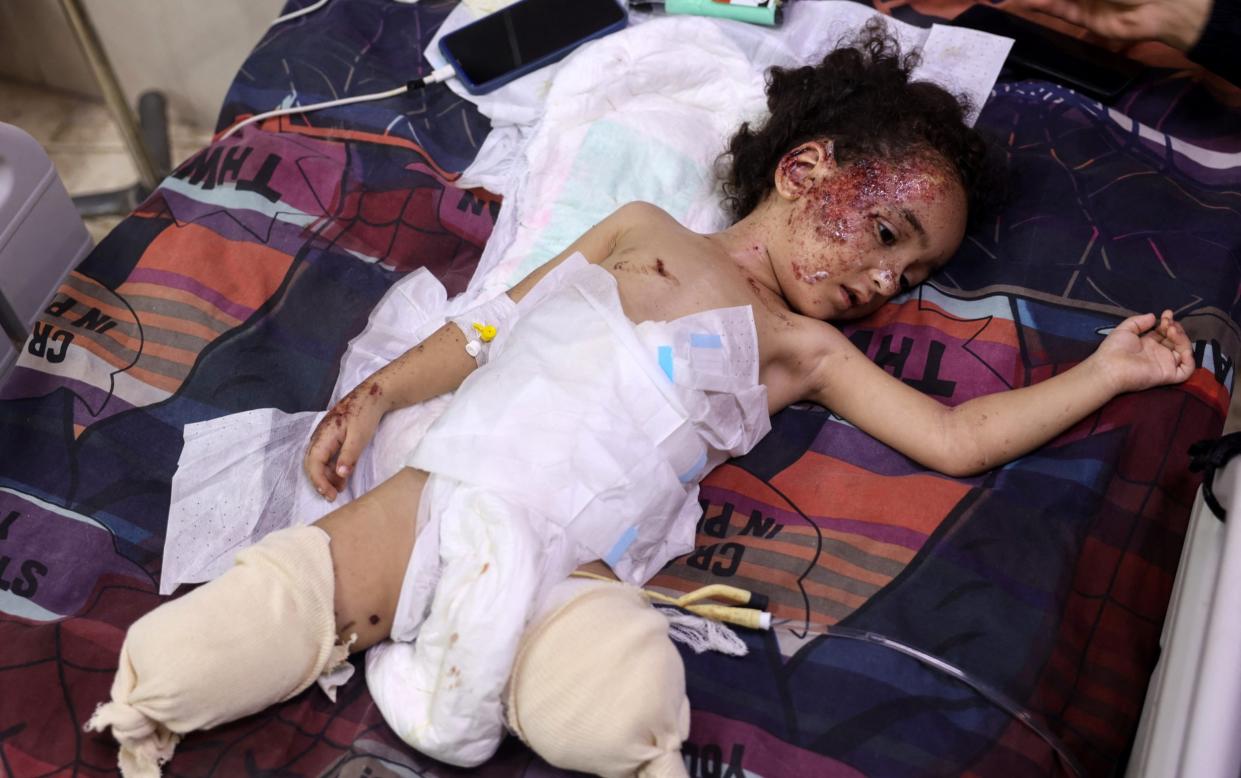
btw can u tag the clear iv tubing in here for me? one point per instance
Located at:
(993, 695)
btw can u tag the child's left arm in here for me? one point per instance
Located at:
(988, 431)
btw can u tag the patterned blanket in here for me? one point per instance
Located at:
(239, 283)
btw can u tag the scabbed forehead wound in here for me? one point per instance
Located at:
(598, 687)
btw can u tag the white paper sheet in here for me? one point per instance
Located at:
(963, 61)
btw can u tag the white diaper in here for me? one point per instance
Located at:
(476, 571)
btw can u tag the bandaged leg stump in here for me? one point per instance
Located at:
(255, 636)
(598, 687)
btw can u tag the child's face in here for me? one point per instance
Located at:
(860, 233)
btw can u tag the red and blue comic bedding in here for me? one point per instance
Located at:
(239, 283)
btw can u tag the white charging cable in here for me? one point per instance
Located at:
(315, 7)
(302, 12)
(436, 76)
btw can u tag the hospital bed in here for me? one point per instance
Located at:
(241, 281)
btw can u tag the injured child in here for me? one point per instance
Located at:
(590, 401)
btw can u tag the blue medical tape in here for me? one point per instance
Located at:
(688, 475)
(698, 340)
(665, 360)
(621, 546)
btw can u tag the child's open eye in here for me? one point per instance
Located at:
(886, 236)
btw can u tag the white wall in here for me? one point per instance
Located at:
(188, 49)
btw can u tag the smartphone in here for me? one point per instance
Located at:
(525, 36)
(1045, 53)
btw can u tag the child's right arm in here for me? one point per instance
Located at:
(437, 365)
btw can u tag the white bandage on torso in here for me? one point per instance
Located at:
(476, 571)
(487, 324)
(483, 323)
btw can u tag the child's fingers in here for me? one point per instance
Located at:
(1139, 324)
(316, 470)
(350, 450)
(1183, 349)
(1176, 337)
(311, 465)
(323, 447)
(1165, 320)
(337, 482)
(1171, 335)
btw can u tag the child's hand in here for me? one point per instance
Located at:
(1133, 361)
(341, 437)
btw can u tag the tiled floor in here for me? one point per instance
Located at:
(84, 143)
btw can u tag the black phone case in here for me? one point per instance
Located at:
(495, 36)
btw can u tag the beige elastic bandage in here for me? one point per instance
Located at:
(598, 687)
(255, 636)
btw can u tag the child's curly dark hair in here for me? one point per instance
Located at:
(860, 97)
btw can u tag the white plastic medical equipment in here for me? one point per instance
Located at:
(41, 237)
(1192, 716)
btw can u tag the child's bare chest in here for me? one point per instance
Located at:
(681, 278)
(672, 282)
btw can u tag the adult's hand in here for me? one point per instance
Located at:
(1178, 23)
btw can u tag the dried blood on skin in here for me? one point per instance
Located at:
(376, 391)
(805, 276)
(840, 207)
(791, 168)
(334, 417)
(337, 415)
(664, 272)
(759, 290)
(346, 407)
(624, 266)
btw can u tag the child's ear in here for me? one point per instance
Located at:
(803, 166)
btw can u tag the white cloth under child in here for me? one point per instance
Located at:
(239, 477)
(583, 438)
(644, 114)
